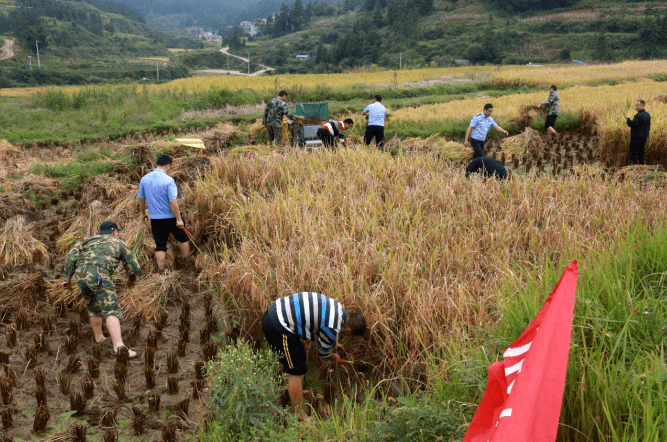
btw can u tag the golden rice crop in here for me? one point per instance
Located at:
(575, 74)
(409, 241)
(18, 244)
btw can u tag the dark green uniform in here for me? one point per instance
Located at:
(93, 260)
(273, 119)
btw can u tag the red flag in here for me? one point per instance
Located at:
(524, 393)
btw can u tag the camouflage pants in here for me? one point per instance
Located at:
(101, 299)
(274, 131)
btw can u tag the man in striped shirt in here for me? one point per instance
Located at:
(312, 317)
(332, 131)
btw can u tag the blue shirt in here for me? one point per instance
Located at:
(376, 113)
(158, 188)
(481, 125)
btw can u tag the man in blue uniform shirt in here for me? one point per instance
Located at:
(479, 126)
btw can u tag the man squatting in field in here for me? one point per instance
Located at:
(479, 127)
(158, 191)
(273, 118)
(312, 317)
(376, 113)
(93, 261)
(553, 106)
(640, 127)
(332, 132)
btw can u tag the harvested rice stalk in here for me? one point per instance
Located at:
(88, 388)
(40, 377)
(97, 351)
(47, 323)
(198, 388)
(110, 436)
(21, 319)
(31, 356)
(79, 432)
(12, 337)
(41, 343)
(151, 339)
(154, 402)
(149, 356)
(77, 403)
(7, 418)
(169, 432)
(108, 419)
(64, 381)
(199, 370)
(6, 390)
(40, 395)
(138, 418)
(172, 385)
(94, 367)
(119, 388)
(210, 350)
(123, 356)
(73, 364)
(172, 362)
(149, 373)
(181, 348)
(4, 358)
(120, 372)
(181, 408)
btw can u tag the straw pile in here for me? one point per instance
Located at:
(22, 291)
(188, 169)
(9, 152)
(641, 174)
(104, 188)
(37, 184)
(454, 151)
(221, 135)
(19, 246)
(86, 224)
(589, 170)
(150, 295)
(12, 204)
(257, 130)
(527, 143)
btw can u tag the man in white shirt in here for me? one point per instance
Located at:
(376, 114)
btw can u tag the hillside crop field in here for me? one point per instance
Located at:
(447, 269)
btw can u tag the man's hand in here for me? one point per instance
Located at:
(302, 117)
(180, 223)
(334, 359)
(506, 133)
(626, 116)
(131, 282)
(339, 347)
(466, 143)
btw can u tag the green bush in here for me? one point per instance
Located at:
(417, 419)
(244, 393)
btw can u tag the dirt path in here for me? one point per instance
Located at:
(7, 50)
(254, 74)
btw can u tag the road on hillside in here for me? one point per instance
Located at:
(7, 50)
(254, 74)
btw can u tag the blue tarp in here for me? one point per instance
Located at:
(578, 61)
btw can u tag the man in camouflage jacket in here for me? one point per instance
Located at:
(273, 118)
(93, 261)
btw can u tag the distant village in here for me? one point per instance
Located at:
(248, 28)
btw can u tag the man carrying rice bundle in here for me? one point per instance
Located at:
(553, 107)
(93, 261)
(312, 317)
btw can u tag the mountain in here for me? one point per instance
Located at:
(422, 33)
(92, 29)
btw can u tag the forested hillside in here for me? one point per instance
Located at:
(390, 33)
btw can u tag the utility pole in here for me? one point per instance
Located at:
(157, 65)
(400, 61)
(39, 65)
(248, 63)
(30, 61)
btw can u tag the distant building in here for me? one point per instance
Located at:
(248, 27)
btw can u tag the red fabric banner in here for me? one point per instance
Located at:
(524, 393)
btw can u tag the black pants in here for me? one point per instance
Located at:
(376, 132)
(326, 138)
(637, 155)
(477, 148)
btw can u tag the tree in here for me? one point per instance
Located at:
(395, 10)
(378, 16)
(297, 16)
(601, 48)
(424, 7)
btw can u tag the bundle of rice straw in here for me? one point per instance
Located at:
(150, 295)
(87, 224)
(454, 151)
(10, 152)
(19, 246)
(527, 143)
(224, 132)
(189, 168)
(12, 204)
(642, 174)
(37, 184)
(513, 146)
(104, 188)
(22, 291)
(256, 129)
